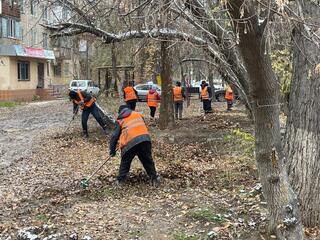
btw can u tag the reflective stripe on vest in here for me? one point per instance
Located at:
(131, 127)
(130, 94)
(152, 99)
(87, 104)
(229, 94)
(204, 93)
(177, 94)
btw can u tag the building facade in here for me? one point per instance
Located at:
(30, 64)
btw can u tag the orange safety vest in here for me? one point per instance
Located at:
(177, 94)
(129, 93)
(131, 127)
(87, 104)
(152, 99)
(204, 93)
(229, 94)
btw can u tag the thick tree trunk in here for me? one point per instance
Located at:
(264, 91)
(166, 109)
(302, 142)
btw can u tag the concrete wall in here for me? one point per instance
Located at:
(9, 73)
(4, 72)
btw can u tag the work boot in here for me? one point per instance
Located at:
(155, 182)
(85, 134)
(119, 183)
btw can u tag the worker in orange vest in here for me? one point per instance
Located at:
(178, 98)
(153, 99)
(133, 138)
(229, 96)
(87, 104)
(130, 96)
(206, 97)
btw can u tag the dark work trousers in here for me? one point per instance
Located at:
(143, 151)
(152, 111)
(178, 108)
(229, 104)
(96, 114)
(207, 106)
(132, 104)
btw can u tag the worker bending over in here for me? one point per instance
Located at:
(88, 105)
(133, 138)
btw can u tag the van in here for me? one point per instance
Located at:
(84, 85)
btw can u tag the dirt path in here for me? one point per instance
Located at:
(22, 127)
(207, 169)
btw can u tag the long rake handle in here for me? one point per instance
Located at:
(95, 171)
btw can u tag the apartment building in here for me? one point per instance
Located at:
(31, 63)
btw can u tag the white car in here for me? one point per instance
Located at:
(143, 89)
(84, 85)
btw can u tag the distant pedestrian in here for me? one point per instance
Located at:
(206, 97)
(130, 96)
(229, 96)
(133, 138)
(178, 98)
(153, 99)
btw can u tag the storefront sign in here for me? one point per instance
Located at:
(34, 52)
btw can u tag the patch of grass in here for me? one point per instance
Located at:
(136, 234)
(208, 215)
(43, 217)
(8, 104)
(184, 236)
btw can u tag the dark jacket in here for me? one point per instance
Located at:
(117, 132)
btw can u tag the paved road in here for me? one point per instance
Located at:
(21, 127)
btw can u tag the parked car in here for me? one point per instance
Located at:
(143, 89)
(84, 85)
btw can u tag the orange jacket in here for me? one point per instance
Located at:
(86, 104)
(204, 93)
(177, 94)
(229, 94)
(129, 94)
(153, 98)
(132, 127)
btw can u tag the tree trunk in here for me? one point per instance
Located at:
(166, 109)
(302, 142)
(114, 67)
(264, 91)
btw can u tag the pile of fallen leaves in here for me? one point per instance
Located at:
(209, 185)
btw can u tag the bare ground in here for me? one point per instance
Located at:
(207, 190)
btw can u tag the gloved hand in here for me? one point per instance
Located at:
(112, 154)
(81, 103)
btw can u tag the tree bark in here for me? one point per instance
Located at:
(114, 67)
(264, 92)
(166, 109)
(302, 141)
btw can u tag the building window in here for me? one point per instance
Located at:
(66, 69)
(21, 6)
(32, 7)
(33, 38)
(11, 28)
(23, 71)
(57, 70)
(45, 40)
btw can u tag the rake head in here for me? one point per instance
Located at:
(84, 183)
